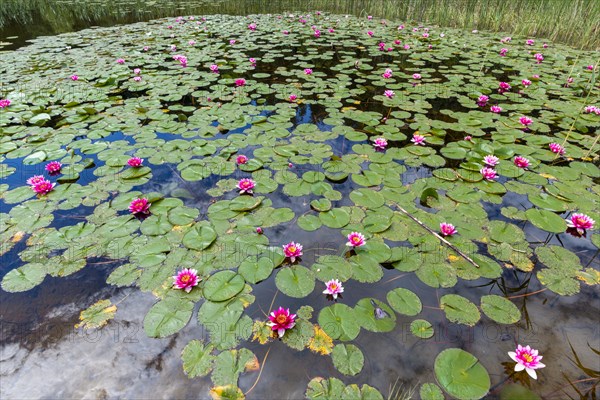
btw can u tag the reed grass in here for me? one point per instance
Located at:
(572, 22)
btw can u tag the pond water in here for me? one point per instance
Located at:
(318, 178)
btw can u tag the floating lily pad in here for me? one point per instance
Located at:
(348, 359)
(223, 285)
(461, 375)
(500, 309)
(460, 310)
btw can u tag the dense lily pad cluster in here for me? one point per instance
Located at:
(207, 129)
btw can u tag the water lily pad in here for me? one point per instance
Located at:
(461, 375)
(24, 278)
(197, 359)
(364, 313)
(460, 310)
(168, 316)
(421, 328)
(295, 281)
(500, 309)
(223, 285)
(338, 321)
(200, 236)
(431, 391)
(404, 301)
(546, 220)
(348, 359)
(335, 218)
(367, 198)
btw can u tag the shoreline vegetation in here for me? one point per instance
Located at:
(571, 22)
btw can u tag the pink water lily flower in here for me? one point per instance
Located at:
(331, 30)
(406, 47)
(592, 109)
(389, 94)
(580, 222)
(369, 17)
(4, 103)
(333, 288)
(527, 359)
(34, 180)
(503, 87)
(539, 57)
(293, 97)
(137, 78)
(135, 162)
(468, 138)
(44, 187)
(120, 61)
(53, 167)
(525, 121)
(356, 239)
(490, 160)
(503, 52)
(387, 74)
(496, 109)
(416, 76)
(526, 82)
(286, 32)
(74, 77)
(259, 230)
(240, 82)
(241, 159)
(281, 320)
(252, 61)
(308, 71)
(418, 140)
(380, 143)
(292, 251)
(182, 59)
(186, 279)
(557, 148)
(214, 68)
(447, 229)
(521, 162)
(246, 185)
(425, 35)
(137, 71)
(252, 26)
(317, 33)
(370, 33)
(139, 206)
(146, 48)
(482, 100)
(529, 42)
(590, 67)
(232, 42)
(489, 174)
(192, 42)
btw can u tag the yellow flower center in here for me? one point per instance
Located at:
(292, 249)
(333, 287)
(281, 319)
(528, 357)
(185, 278)
(356, 239)
(580, 221)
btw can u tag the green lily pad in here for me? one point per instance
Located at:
(348, 359)
(295, 281)
(421, 329)
(461, 375)
(500, 309)
(338, 321)
(546, 220)
(223, 285)
(460, 310)
(404, 301)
